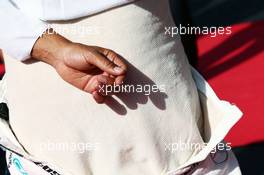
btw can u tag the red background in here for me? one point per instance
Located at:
(234, 67)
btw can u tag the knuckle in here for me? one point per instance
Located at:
(108, 64)
(89, 56)
(110, 54)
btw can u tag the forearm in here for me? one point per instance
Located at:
(50, 47)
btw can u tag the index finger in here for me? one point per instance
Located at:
(114, 57)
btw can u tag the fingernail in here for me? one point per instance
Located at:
(118, 70)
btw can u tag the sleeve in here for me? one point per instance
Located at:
(18, 31)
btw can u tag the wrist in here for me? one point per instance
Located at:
(49, 47)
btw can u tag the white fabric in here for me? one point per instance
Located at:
(18, 32)
(22, 25)
(217, 126)
(215, 165)
(128, 135)
(130, 132)
(221, 163)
